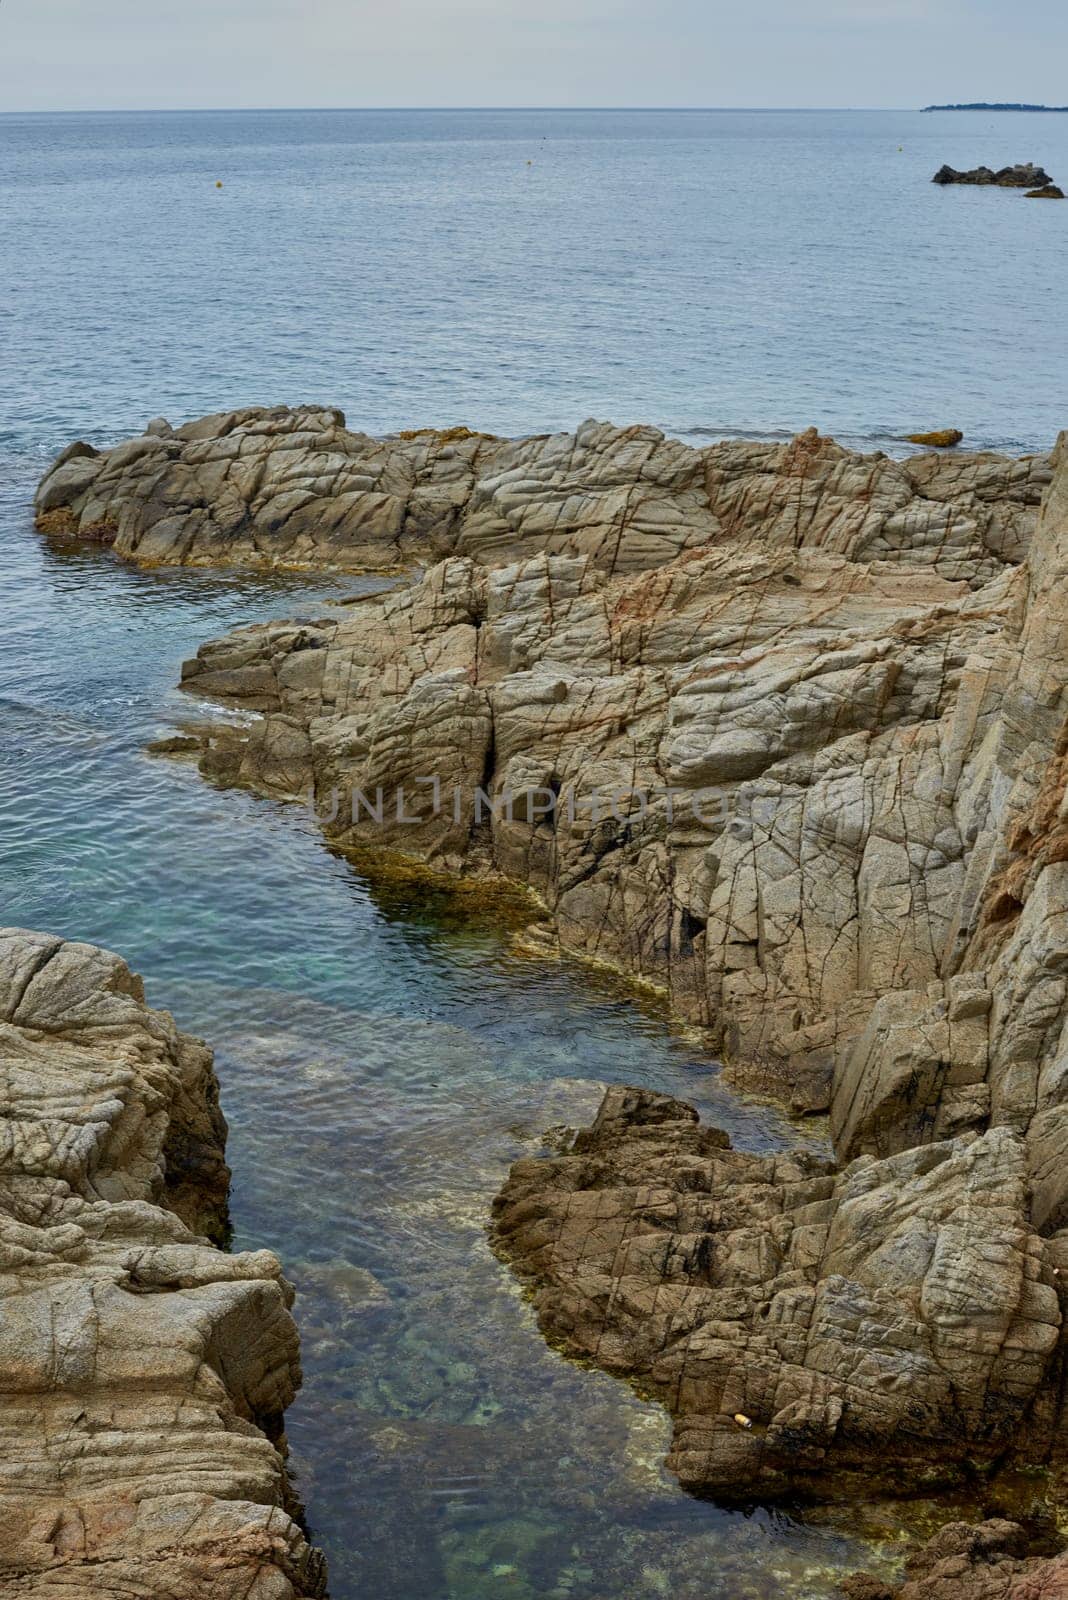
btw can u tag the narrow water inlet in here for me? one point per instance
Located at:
(379, 1072)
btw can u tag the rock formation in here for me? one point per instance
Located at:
(784, 729)
(1049, 191)
(890, 1327)
(297, 488)
(1027, 176)
(940, 439)
(810, 686)
(993, 1561)
(143, 1372)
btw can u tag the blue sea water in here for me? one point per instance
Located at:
(381, 1060)
(706, 271)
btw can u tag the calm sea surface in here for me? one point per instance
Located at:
(381, 1062)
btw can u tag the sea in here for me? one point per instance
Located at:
(383, 1056)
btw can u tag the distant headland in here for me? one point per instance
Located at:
(989, 105)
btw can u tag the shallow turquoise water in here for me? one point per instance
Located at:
(379, 1071)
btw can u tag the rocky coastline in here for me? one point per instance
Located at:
(145, 1371)
(838, 687)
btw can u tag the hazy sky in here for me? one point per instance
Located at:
(73, 54)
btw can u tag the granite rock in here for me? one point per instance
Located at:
(780, 773)
(891, 1328)
(989, 1561)
(144, 1372)
(297, 488)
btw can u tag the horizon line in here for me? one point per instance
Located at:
(146, 111)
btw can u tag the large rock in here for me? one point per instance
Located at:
(887, 1329)
(784, 729)
(821, 689)
(144, 1373)
(297, 488)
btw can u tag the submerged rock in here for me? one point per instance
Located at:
(1026, 176)
(144, 1373)
(993, 1561)
(886, 1328)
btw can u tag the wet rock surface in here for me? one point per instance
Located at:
(144, 1372)
(938, 439)
(993, 1561)
(891, 1326)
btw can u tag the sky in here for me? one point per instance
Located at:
(156, 54)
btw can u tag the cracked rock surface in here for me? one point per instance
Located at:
(894, 1326)
(267, 487)
(817, 793)
(144, 1372)
(784, 729)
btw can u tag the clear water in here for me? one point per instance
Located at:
(381, 1066)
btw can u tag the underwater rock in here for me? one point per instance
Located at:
(991, 1561)
(882, 1328)
(144, 1372)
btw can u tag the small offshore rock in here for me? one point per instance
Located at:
(940, 439)
(1024, 176)
(1049, 191)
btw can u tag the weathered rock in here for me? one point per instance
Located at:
(296, 488)
(843, 701)
(1049, 191)
(893, 1327)
(143, 1372)
(992, 1561)
(841, 686)
(1026, 176)
(940, 439)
